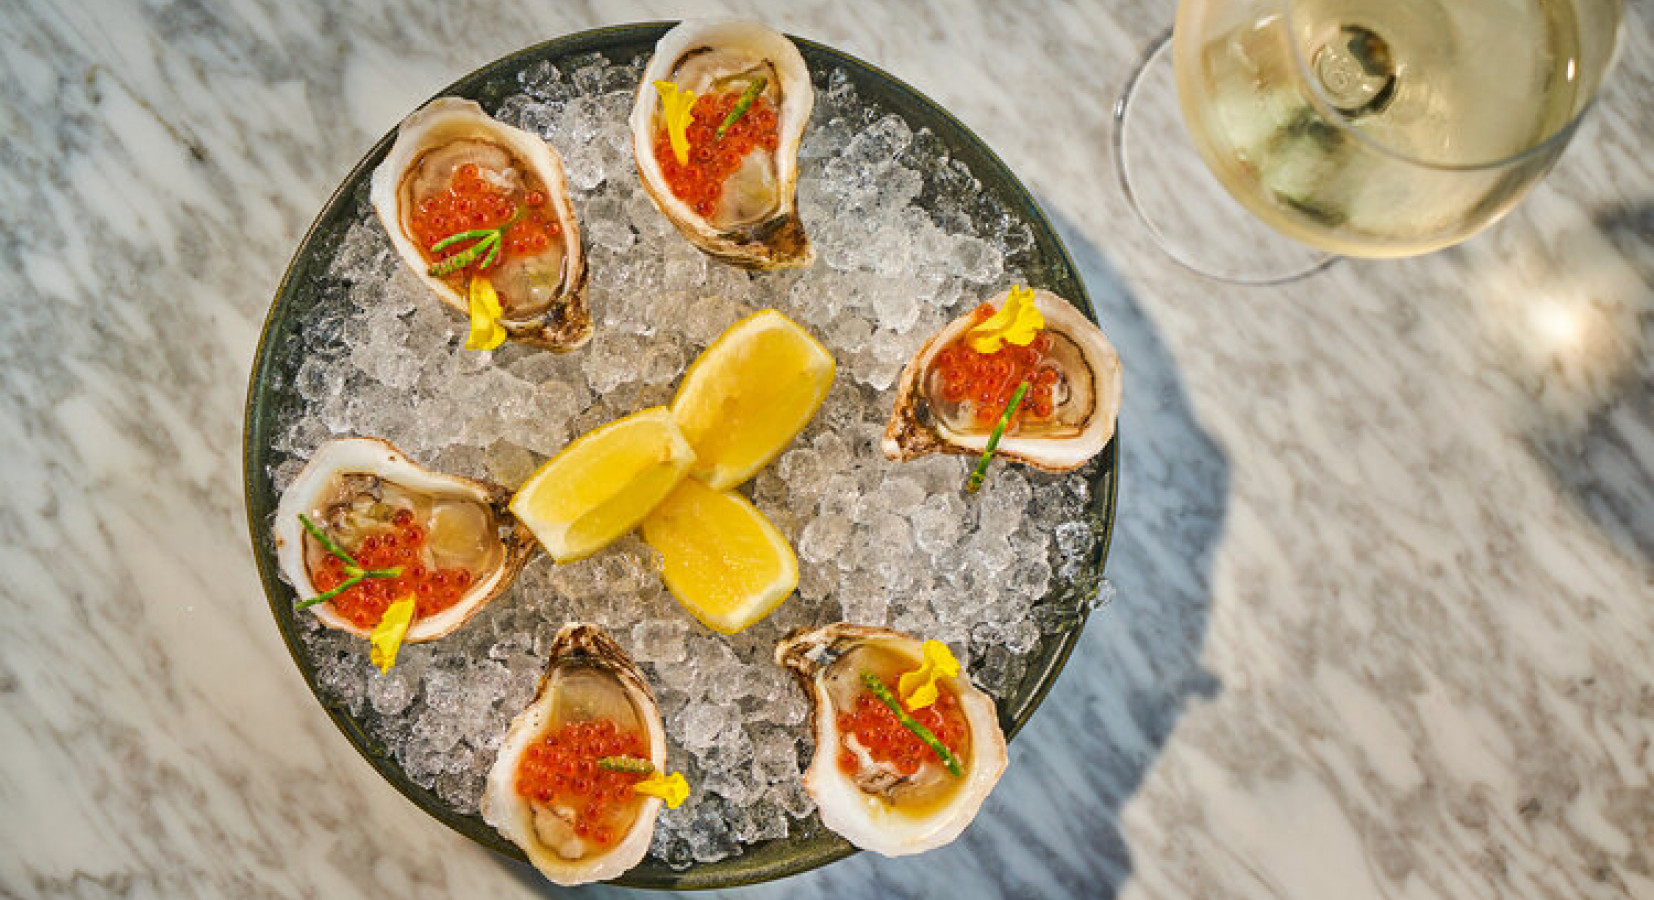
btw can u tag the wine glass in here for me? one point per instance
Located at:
(1375, 128)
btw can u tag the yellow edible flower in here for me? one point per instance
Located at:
(387, 635)
(486, 331)
(1017, 321)
(676, 105)
(671, 788)
(918, 687)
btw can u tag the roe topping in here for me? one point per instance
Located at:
(477, 198)
(560, 770)
(713, 159)
(986, 381)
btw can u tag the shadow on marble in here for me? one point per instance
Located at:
(1139, 664)
(1603, 459)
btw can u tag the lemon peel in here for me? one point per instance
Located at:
(918, 687)
(486, 331)
(673, 788)
(1018, 321)
(387, 635)
(676, 104)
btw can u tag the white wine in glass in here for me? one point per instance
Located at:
(1386, 128)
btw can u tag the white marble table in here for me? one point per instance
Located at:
(1385, 555)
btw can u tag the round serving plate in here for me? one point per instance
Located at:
(270, 395)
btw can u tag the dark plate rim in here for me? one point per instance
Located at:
(699, 876)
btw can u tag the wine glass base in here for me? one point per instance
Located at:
(1191, 216)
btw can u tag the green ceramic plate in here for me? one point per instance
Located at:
(269, 395)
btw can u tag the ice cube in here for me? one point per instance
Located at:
(824, 538)
(1073, 539)
(659, 640)
(701, 725)
(937, 522)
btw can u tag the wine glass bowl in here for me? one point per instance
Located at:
(1377, 128)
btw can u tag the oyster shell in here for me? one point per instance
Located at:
(877, 807)
(755, 224)
(1087, 398)
(588, 677)
(542, 294)
(351, 487)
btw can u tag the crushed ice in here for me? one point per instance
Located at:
(905, 241)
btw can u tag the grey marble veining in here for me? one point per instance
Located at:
(1385, 552)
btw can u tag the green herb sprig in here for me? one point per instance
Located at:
(748, 96)
(626, 765)
(487, 247)
(911, 724)
(354, 572)
(974, 483)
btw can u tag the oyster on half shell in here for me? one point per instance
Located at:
(753, 222)
(1085, 397)
(541, 286)
(588, 679)
(355, 489)
(873, 799)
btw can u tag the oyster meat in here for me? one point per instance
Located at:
(453, 169)
(736, 199)
(564, 812)
(1084, 396)
(455, 542)
(873, 791)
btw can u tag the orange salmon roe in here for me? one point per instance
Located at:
(364, 605)
(471, 201)
(713, 159)
(888, 741)
(561, 769)
(989, 379)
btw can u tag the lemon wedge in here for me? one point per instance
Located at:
(749, 394)
(603, 484)
(724, 561)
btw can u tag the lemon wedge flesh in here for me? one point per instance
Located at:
(749, 394)
(724, 561)
(603, 484)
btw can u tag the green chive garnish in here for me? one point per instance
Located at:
(911, 724)
(974, 483)
(353, 570)
(625, 765)
(487, 247)
(742, 105)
